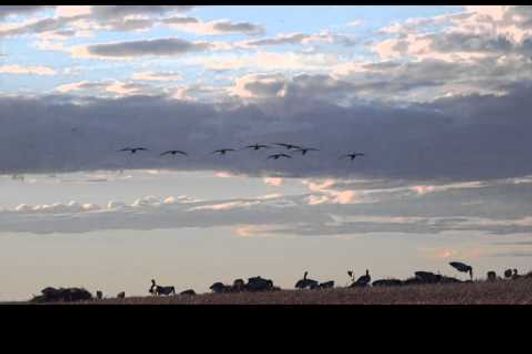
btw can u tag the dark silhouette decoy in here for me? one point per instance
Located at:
(174, 152)
(515, 275)
(326, 285)
(305, 150)
(462, 267)
(277, 156)
(238, 285)
(259, 284)
(306, 283)
(351, 276)
(257, 146)
(387, 282)
(288, 146)
(188, 292)
(492, 276)
(161, 290)
(220, 287)
(362, 281)
(222, 151)
(508, 273)
(133, 150)
(121, 295)
(425, 277)
(353, 155)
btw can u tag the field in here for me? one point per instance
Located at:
(517, 292)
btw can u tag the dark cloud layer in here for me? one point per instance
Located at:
(167, 46)
(463, 138)
(9, 10)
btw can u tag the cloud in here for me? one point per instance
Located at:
(408, 142)
(237, 27)
(394, 210)
(218, 27)
(273, 181)
(157, 76)
(302, 38)
(106, 88)
(111, 12)
(27, 70)
(154, 47)
(13, 10)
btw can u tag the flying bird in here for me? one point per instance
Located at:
(288, 146)
(258, 147)
(277, 156)
(462, 267)
(133, 150)
(222, 151)
(305, 150)
(174, 152)
(353, 155)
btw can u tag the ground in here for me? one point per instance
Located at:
(498, 292)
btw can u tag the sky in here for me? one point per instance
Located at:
(437, 98)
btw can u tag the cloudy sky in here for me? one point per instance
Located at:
(438, 98)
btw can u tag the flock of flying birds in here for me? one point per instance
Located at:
(224, 151)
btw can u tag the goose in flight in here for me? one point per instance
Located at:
(277, 156)
(133, 150)
(174, 152)
(257, 146)
(353, 155)
(289, 146)
(305, 150)
(222, 151)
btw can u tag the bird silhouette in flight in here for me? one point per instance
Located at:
(257, 146)
(277, 156)
(289, 146)
(353, 155)
(174, 152)
(222, 151)
(305, 150)
(133, 150)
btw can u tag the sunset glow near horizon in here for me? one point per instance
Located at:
(436, 97)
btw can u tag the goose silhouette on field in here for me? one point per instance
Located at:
(257, 146)
(277, 156)
(353, 155)
(222, 151)
(306, 283)
(508, 273)
(305, 150)
(351, 276)
(133, 150)
(161, 290)
(174, 152)
(462, 267)
(363, 280)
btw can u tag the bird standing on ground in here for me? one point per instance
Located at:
(462, 267)
(174, 152)
(133, 150)
(363, 280)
